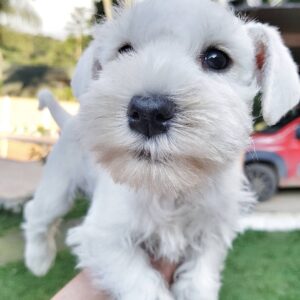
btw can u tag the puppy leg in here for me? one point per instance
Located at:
(108, 246)
(120, 269)
(52, 200)
(198, 278)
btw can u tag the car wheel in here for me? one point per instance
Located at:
(263, 180)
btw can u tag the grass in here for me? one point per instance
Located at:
(261, 266)
(9, 220)
(15, 280)
(79, 210)
(17, 283)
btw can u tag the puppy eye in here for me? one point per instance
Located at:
(126, 49)
(215, 59)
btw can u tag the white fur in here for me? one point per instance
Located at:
(83, 72)
(279, 93)
(68, 168)
(183, 202)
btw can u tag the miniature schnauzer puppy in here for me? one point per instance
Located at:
(166, 117)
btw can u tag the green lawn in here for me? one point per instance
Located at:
(261, 266)
(16, 283)
(8, 220)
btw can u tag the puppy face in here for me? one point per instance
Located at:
(171, 105)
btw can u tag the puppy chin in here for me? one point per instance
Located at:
(169, 175)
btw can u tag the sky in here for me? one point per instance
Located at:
(55, 14)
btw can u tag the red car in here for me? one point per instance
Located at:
(273, 160)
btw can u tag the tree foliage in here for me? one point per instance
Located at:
(32, 61)
(20, 9)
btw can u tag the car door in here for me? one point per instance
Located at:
(293, 154)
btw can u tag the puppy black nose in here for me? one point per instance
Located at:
(150, 115)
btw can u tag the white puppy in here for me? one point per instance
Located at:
(166, 117)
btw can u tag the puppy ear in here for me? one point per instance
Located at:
(86, 69)
(277, 73)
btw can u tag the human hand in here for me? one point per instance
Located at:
(81, 288)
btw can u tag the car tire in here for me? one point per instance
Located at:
(263, 180)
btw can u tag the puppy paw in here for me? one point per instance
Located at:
(39, 255)
(186, 289)
(152, 294)
(147, 286)
(75, 236)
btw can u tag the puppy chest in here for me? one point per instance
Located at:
(171, 242)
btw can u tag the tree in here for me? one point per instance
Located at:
(259, 2)
(104, 7)
(78, 28)
(18, 9)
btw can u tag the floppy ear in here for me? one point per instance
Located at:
(86, 69)
(277, 73)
